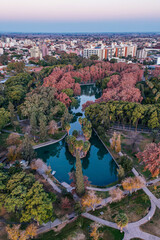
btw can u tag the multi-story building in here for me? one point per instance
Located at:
(44, 50)
(88, 52)
(108, 52)
(141, 53)
(1, 51)
(35, 52)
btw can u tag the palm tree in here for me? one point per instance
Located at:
(121, 220)
(80, 120)
(67, 127)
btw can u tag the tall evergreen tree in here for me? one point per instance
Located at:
(79, 176)
(12, 113)
(33, 123)
(43, 130)
(28, 152)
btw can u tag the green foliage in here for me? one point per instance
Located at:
(100, 130)
(77, 79)
(94, 57)
(121, 219)
(74, 102)
(33, 123)
(75, 133)
(12, 113)
(3, 177)
(104, 114)
(4, 59)
(66, 117)
(79, 176)
(27, 151)
(121, 172)
(126, 164)
(43, 130)
(4, 118)
(21, 194)
(16, 189)
(18, 67)
(16, 87)
(38, 206)
(102, 83)
(86, 127)
(42, 101)
(65, 59)
(68, 91)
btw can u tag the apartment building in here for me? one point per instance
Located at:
(35, 52)
(88, 52)
(108, 52)
(141, 53)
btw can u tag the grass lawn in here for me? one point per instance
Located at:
(58, 135)
(102, 194)
(3, 144)
(131, 148)
(152, 226)
(155, 190)
(80, 226)
(11, 128)
(135, 206)
(110, 233)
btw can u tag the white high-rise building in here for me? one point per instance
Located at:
(141, 53)
(88, 52)
(1, 51)
(35, 52)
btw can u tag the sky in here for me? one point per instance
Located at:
(80, 16)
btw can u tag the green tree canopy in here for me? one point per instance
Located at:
(4, 118)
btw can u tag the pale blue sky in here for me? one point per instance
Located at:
(80, 15)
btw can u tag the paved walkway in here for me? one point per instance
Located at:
(103, 189)
(153, 181)
(54, 186)
(132, 230)
(48, 143)
(137, 233)
(152, 197)
(99, 220)
(48, 226)
(7, 131)
(147, 191)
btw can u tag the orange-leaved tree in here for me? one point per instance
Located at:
(94, 233)
(90, 200)
(151, 158)
(116, 194)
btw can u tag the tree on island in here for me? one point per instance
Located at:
(67, 127)
(80, 189)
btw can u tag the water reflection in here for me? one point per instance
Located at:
(98, 165)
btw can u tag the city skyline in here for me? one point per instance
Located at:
(80, 16)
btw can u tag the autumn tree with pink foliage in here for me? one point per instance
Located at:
(151, 158)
